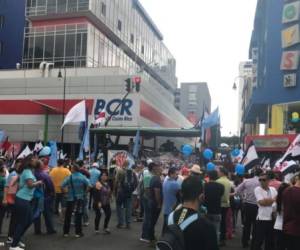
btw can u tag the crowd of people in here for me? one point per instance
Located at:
(73, 191)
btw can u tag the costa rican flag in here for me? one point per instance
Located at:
(100, 118)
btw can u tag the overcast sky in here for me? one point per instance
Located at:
(208, 38)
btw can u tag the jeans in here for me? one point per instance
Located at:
(154, 215)
(13, 220)
(263, 233)
(3, 210)
(48, 216)
(223, 225)
(146, 221)
(215, 219)
(249, 219)
(78, 206)
(85, 210)
(107, 212)
(59, 199)
(23, 213)
(124, 204)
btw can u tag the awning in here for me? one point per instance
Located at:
(149, 132)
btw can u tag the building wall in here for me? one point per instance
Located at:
(194, 97)
(11, 33)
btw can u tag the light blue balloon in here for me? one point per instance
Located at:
(210, 166)
(208, 154)
(240, 169)
(46, 151)
(187, 149)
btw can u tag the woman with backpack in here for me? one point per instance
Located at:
(101, 197)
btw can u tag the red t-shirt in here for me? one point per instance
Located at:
(291, 211)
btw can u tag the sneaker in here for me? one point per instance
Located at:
(51, 232)
(16, 248)
(9, 240)
(120, 226)
(66, 235)
(144, 240)
(97, 231)
(106, 231)
(79, 235)
(21, 244)
(85, 224)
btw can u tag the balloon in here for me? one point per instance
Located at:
(187, 149)
(210, 166)
(46, 151)
(235, 152)
(208, 154)
(295, 117)
(240, 169)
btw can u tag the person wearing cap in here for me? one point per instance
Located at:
(44, 155)
(94, 177)
(57, 175)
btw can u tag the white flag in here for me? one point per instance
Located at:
(76, 114)
(250, 158)
(293, 150)
(38, 147)
(24, 153)
(285, 167)
(100, 118)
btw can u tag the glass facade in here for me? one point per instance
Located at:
(125, 19)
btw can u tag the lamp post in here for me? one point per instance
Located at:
(60, 76)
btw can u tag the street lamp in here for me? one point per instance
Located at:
(60, 76)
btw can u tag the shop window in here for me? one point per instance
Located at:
(119, 25)
(103, 9)
(132, 38)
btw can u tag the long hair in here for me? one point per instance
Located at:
(281, 189)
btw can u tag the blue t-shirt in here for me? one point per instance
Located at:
(80, 184)
(94, 176)
(25, 192)
(170, 190)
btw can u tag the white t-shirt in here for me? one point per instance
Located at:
(265, 212)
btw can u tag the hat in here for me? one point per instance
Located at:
(95, 165)
(46, 151)
(196, 169)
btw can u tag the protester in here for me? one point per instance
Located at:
(171, 190)
(48, 193)
(213, 193)
(274, 182)
(199, 235)
(126, 183)
(77, 187)
(101, 195)
(94, 177)
(57, 175)
(291, 215)
(2, 187)
(246, 191)
(279, 236)
(263, 230)
(225, 203)
(24, 197)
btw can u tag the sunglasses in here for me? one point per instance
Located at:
(262, 179)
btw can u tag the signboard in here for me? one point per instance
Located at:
(290, 60)
(289, 80)
(290, 36)
(291, 12)
(126, 115)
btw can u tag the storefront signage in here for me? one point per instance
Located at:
(290, 60)
(290, 36)
(291, 12)
(289, 80)
(271, 143)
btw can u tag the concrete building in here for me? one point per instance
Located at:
(97, 44)
(12, 23)
(193, 99)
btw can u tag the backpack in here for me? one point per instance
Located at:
(173, 238)
(129, 183)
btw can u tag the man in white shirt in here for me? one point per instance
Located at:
(266, 197)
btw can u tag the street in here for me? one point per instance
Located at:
(118, 239)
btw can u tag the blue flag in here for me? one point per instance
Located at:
(53, 156)
(2, 136)
(212, 120)
(136, 147)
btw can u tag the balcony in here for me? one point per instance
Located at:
(53, 7)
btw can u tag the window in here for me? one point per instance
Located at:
(192, 88)
(143, 49)
(103, 9)
(1, 22)
(132, 38)
(1, 48)
(119, 25)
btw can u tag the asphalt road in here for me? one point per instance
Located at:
(123, 239)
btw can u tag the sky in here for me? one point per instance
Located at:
(208, 38)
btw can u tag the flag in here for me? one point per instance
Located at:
(6, 145)
(76, 114)
(38, 146)
(266, 164)
(85, 142)
(293, 151)
(211, 120)
(53, 156)
(100, 118)
(2, 136)
(61, 155)
(285, 167)
(26, 151)
(250, 158)
(136, 146)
